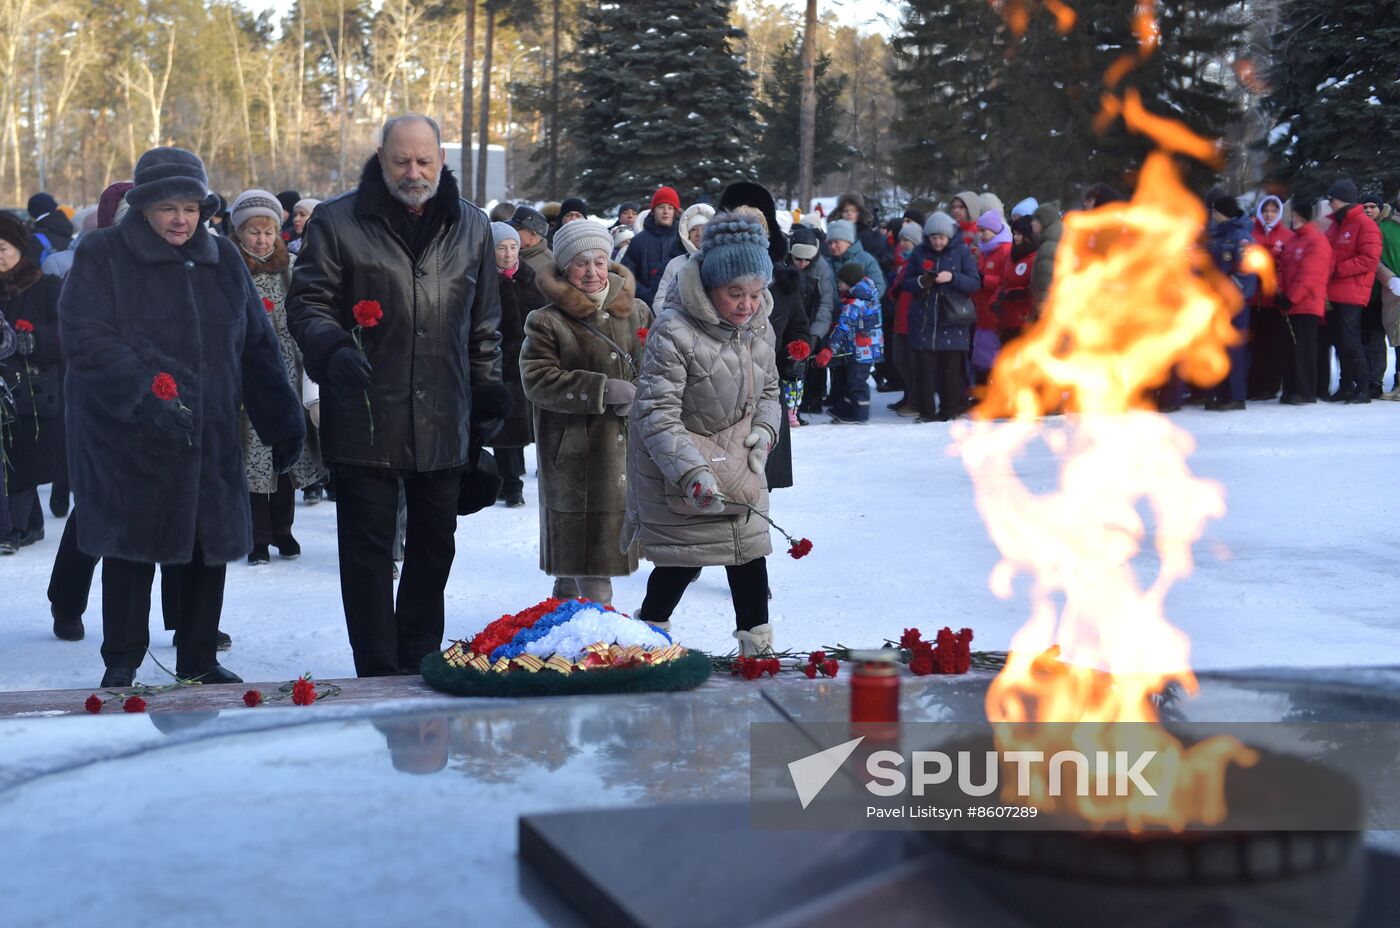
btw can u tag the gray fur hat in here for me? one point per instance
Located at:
(169, 174)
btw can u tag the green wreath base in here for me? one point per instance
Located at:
(685, 673)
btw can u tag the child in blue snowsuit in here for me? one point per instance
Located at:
(856, 343)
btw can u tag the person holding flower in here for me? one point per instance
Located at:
(157, 461)
(408, 390)
(706, 416)
(579, 365)
(272, 496)
(34, 442)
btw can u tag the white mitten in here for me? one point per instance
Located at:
(760, 443)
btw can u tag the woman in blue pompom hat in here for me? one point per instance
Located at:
(706, 416)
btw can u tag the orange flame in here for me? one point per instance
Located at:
(1133, 299)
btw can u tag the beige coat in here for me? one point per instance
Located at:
(582, 447)
(695, 377)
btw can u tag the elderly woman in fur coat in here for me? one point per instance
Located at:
(709, 380)
(579, 365)
(166, 340)
(272, 496)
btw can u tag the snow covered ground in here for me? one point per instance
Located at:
(1304, 570)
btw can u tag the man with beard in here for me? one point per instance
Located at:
(404, 395)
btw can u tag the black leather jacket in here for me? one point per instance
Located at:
(439, 340)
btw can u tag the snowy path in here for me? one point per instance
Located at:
(1304, 570)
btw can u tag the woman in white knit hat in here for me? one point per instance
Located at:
(301, 213)
(579, 364)
(256, 220)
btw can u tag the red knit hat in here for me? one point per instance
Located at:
(665, 195)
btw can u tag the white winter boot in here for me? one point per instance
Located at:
(756, 642)
(660, 626)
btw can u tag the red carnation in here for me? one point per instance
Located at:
(772, 666)
(164, 387)
(799, 350)
(286, 236)
(252, 698)
(911, 638)
(922, 664)
(642, 334)
(751, 668)
(928, 265)
(303, 692)
(817, 657)
(24, 325)
(134, 704)
(367, 313)
(829, 667)
(268, 305)
(811, 671)
(93, 704)
(800, 549)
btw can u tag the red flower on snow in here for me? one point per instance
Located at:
(164, 387)
(24, 325)
(134, 704)
(800, 549)
(911, 639)
(303, 692)
(799, 350)
(642, 334)
(811, 671)
(922, 664)
(93, 704)
(268, 305)
(367, 313)
(252, 698)
(816, 657)
(829, 667)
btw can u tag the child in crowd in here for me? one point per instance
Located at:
(856, 343)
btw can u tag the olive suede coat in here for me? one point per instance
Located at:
(696, 377)
(132, 307)
(581, 444)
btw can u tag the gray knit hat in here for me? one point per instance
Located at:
(574, 238)
(501, 232)
(253, 203)
(910, 232)
(840, 230)
(171, 174)
(734, 246)
(940, 223)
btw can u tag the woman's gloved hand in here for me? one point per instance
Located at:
(760, 444)
(702, 494)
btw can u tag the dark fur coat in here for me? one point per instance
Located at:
(133, 307)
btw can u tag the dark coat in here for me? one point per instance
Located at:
(582, 449)
(648, 254)
(787, 323)
(519, 295)
(37, 385)
(57, 228)
(1226, 244)
(133, 307)
(927, 332)
(438, 343)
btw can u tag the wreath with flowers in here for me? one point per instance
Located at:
(562, 647)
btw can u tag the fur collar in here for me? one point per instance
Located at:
(622, 292)
(275, 263)
(19, 278)
(149, 248)
(695, 302)
(372, 198)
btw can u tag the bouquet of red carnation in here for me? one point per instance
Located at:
(799, 350)
(24, 347)
(165, 389)
(368, 314)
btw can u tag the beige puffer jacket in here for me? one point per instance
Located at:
(696, 373)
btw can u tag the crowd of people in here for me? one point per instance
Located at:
(183, 366)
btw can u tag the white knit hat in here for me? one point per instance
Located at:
(254, 203)
(574, 238)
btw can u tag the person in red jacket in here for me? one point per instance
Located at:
(1303, 273)
(1269, 344)
(1015, 305)
(1356, 252)
(995, 252)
